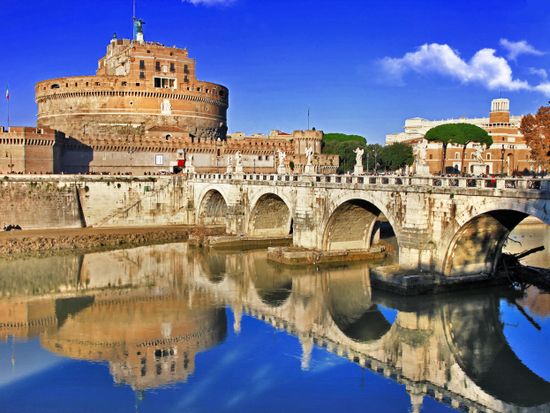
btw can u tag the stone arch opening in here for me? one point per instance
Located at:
(356, 225)
(270, 217)
(477, 245)
(213, 209)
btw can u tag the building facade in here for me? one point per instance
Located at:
(508, 155)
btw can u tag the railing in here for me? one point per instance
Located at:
(492, 183)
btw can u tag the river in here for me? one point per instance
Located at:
(169, 328)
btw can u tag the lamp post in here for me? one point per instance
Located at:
(254, 161)
(502, 152)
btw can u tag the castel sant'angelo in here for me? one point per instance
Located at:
(144, 111)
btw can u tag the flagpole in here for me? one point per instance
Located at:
(8, 99)
(307, 118)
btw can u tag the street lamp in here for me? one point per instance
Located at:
(502, 152)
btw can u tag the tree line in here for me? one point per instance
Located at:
(376, 158)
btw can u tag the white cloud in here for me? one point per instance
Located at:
(209, 2)
(543, 74)
(484, 68)
(518, 48)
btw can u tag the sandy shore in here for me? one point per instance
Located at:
(14, 244)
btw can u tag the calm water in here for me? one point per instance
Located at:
(171, 329)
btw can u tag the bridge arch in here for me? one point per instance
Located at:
(270, 216)
(476, 245)
(212, 207)
(353, 223)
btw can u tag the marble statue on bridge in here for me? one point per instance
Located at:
(358, 169)
(238, 163)
(281, 167)
(420, 155)
(189, 167)
(309, 168)
(229, 168)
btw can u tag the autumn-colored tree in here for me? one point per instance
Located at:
(536, 130)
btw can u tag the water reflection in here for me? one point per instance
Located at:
(149, 311)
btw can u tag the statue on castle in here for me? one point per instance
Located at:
(358, 169)
(139, 25)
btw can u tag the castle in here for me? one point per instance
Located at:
(143, 112)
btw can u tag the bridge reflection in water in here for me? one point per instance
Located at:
(148, 311)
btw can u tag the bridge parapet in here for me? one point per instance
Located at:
(540, 185)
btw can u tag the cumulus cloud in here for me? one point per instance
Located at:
(484, 68)
(209, 2)
(518, 48)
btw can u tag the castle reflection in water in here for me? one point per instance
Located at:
(148, 311)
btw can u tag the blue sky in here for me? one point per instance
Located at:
(362, 66)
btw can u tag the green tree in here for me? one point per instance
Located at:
(459, 134)
(397, 155)
(344, 146)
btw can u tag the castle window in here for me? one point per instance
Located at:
(142, 64)
(172, 67)
(157, 66)
(54, 86)
(138, 84)
(142, 75)
(185, 69)
(488, 156)
(222, 93)
(165, 82)
(186, 79)
(124, 83)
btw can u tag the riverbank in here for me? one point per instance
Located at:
(16, 244)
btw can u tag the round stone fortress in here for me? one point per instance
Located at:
(138, 86)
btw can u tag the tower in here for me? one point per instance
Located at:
(500, 111)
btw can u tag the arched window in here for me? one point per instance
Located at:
(488, 156)
(54, 86)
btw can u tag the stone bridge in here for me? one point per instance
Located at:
(443, 225)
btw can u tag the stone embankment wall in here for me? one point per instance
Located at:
(35, 203)
(43, 202)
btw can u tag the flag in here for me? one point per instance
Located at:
(7, 94)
